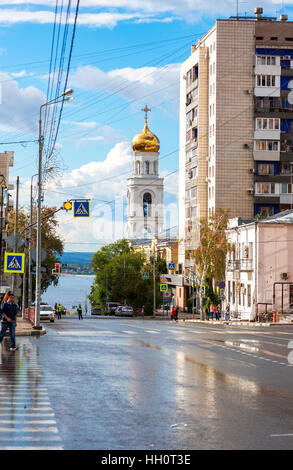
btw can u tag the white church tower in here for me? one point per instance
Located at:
(145, 216)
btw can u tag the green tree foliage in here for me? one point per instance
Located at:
(51, 241)
(210, 255)
(118, 270)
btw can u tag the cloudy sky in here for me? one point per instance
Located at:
(127, 53)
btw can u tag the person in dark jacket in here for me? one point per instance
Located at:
(9, 320)
(79, 311)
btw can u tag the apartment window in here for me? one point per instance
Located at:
(286, 188)
(274, 38)
(286, 168)
(265, 188)
(259, 38)
(267, 124)
(267, 145)
(265, 80)
(265, 169)
(289, 39)
(266, 211)
(265, 60)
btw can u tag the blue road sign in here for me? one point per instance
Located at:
(171, 266)
(64, 265)
(145, 275)
(164, 287)
(14, 262)
(222, 285)
(5, 197)
(81, 208)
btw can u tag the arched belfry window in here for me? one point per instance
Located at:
(137, 167)
(146, 168)
(147, 204)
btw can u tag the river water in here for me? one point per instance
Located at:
(70, 291)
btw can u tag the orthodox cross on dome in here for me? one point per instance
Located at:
(146, 110)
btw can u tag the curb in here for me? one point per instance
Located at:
(231, 323)
(31, 332)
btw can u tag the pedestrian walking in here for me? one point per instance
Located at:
(218, 312)
(227, 313)
(207, 310)
(59, 311)
(9, 320)
(79, 311)
(214, 312)
(173, 313)
(176, 313)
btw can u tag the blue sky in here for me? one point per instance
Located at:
(126, 54)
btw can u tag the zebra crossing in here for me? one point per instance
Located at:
(27, 419)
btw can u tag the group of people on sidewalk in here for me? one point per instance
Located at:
(215, 312)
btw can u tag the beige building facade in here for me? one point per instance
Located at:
(236, 141)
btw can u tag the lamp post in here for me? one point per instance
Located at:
(66, 96)
(1, 224)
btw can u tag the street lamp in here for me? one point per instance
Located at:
(66, 96)
(1, 223)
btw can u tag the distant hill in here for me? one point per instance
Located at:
(76, 257)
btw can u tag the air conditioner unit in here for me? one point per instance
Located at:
(246, 146)
(251, 170)
(287, 57)
(250, 191)
(248, 92)
(284, 275)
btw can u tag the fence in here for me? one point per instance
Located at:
(29, 314)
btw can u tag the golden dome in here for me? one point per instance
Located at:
(145, 141)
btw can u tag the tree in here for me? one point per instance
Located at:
(118, 268)
(210, 255)
(51, 241)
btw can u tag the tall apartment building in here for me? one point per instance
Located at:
(236, 141)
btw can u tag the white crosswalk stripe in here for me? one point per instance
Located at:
(27, 419)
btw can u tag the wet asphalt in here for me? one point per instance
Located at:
(123, 383)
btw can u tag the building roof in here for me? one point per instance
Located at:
(284, 217)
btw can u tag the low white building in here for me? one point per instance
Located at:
(259, 267)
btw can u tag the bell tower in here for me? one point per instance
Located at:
(145, 215)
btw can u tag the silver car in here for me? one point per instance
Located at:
(47, 313)
(124, 310)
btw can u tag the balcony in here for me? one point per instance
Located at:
(239, 265)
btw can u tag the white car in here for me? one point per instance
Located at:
(124, 310)
(47, 313)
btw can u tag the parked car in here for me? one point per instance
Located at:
(111, 307)
(96, 311)
(124, 310)
(47, 313)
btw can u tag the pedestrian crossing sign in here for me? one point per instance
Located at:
(81, 208)
(14, 262)
(164, 287)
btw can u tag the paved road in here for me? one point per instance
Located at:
(122, 383)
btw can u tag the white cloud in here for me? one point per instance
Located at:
(108, 13)
(155, 84)
(19, 107)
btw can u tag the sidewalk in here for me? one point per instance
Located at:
(195, 318)
(25, 328)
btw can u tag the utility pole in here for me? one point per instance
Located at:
(15, 227)
(24, 276)
(154, 279)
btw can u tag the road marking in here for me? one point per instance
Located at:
(129, 332)
(282, 435)
(152, 332)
